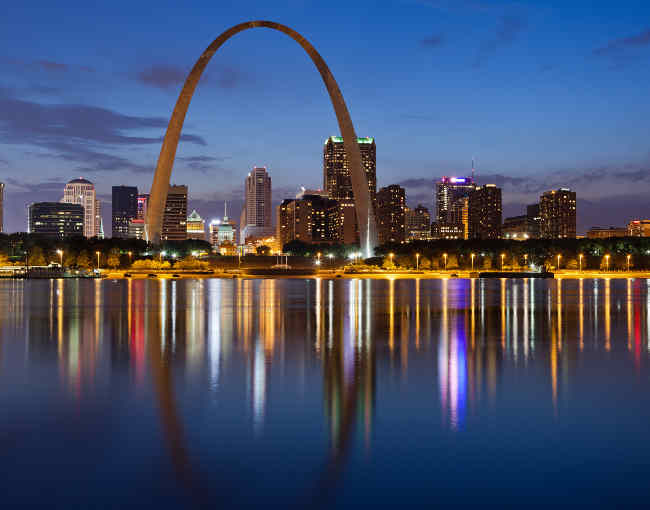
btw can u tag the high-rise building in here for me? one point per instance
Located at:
(136, 229)
(124, 209)
(56, 220)
(336, 172)
(484, 204)
(391, 203)
(517, 228)
(311, 219)
(452, 208)
(256, 217)
(534, 220)
(638, 228)
(418, 223)
(2, 206)
(557, 210)
(142, 202)
(195, 226)
(81, 191)
(174, 227)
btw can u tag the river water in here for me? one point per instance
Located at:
(324, 393)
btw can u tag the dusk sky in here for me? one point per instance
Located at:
(543, 94)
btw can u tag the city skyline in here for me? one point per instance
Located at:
(447, 115)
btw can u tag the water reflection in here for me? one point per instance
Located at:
(353, 333)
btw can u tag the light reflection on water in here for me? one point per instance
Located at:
(191, 364)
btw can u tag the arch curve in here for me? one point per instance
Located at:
(161, 180)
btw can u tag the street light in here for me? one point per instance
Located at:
(162, 254)
(60, 252)
(391, 255)
(417, 261)
(97, 253)
(473, 255)
(628, 262)
(444, 256)
(606, 262)
(526, 259)
(558, 261)
(503, 256)
(580, 261)
(130, 257)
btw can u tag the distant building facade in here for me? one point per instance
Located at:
(56, 220)
(557, 210)
(174, 227)
(195, 226)
(418, 223)
(82, 192)
(534, 220)
(606, 232)
(517, 228)
(485, 212)
(337, 180)
(124, 208)
(390, 209)
(136, 229)
(638, 228)
(452, 207)
(256, 217)
(310, 219)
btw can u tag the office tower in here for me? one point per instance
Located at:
(256, 217)
(136, 229)
(223, 231)
(639, 228)
(418, 223)
(175, 214)
(534, 221)
(557, 211)
(2, 206)
(485, 212)
(336, 173)
(452, 208)
(391, 202)
(56, 220)
(124, 209)
(311, 219)
(195, 226)
(142, 202)
(81, 191)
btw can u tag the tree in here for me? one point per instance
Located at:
(388, 263)
(263, 250)
(83, 260)
(35, 257)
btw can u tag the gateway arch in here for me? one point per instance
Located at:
(161, 180)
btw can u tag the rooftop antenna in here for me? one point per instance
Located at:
(472, 169)
(225, 209)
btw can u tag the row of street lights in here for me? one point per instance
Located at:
(60, 254)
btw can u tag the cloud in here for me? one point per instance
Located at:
(617, 46)
(434, 41)
(170, 77)
(507, 32)
(49, 65)
(204, 163)
(44, 65)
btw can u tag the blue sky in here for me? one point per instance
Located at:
(542, 94)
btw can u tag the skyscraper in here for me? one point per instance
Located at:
(451, 204)
(56, 220)
(391, 203)
(534, 220)
(257, 220)
(336, 173)
(195, 226)
(311, 219)
(81, 191)
(418, 223)
(124, 209)
(485, 212)
(2, 206)
(557, 211)
(175, 215)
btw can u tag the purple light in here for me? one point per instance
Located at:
(457, 180)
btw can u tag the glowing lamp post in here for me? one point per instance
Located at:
(606, 262)
(628, 262)
(162, 254)
(97, 253)
(444, 256)
(417, 261)
(130, 257)
(472, 257)
(558, 261)
(526, 259)
(60, 252)
(318, 259)
(503, 256)
(580, 262)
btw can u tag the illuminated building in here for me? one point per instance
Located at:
(56, 220)
(639, 228)
(606, 233)
(136, 229)
(558, 214)
(256, 216)
(310, 219)
(142, 201)
(452, 208)
(336, 174)
(223, 234)
(418, 223)
(391, 203)
(453, 231)
(82, 192)
(517, 228)
(2, 201)
(174, 226)
(534, 220)
(195, 226)
(124, 206)
(485, 212)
